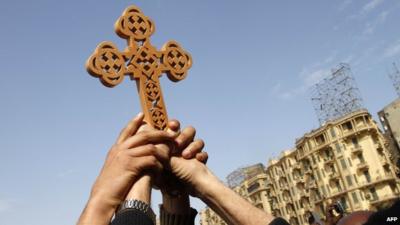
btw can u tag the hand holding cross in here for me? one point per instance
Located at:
(144, 63)
(141, 61)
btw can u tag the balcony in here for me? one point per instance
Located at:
(328, 160)
(300, 180)
(386, 197)
(378, 146)
(308, 170)
(356, 149)
(334, 175)
(362, 166)
(383, 160)
(274, 206)
(304, 193)
(285, 188)
(307, 207)
(292, 213)
(378, 179)
(312, 184)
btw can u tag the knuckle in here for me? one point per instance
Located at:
(151, 148)
(153, 160)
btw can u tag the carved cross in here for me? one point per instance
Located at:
(142, 62)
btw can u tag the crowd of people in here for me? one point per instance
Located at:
(173, 161)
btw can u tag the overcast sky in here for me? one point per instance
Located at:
(246, 93)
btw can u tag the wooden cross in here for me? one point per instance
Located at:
(141, 61)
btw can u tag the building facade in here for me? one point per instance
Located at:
(390, 120)
(344, 161)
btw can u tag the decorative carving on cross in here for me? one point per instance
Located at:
(142, 62)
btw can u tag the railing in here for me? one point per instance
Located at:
(377, 179)
(334, 175)
(300, 180)
(362, 165)
(307, 170)
(329, 159)
(356, 149)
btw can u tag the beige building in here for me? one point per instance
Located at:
(390, 119)
(345, 160)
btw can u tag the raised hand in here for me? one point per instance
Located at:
(128, 158)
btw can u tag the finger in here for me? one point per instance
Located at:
(146, 137)
(131, 128)
(192, 149)
(202, 157)
(149, 149)
(138, 164)
(186, 137)
(174, 125)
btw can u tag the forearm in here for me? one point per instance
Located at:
(141, 190)
(100, 208)
(97, 212)
(230, 206)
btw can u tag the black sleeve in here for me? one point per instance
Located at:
(177, 219)
(386, 216)
(279, 221)
(132, 217)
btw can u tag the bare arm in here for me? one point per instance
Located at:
(230, 206)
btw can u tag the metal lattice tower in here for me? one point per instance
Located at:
(239, 175)
(336, 95)
(235, 178)
(395, 76)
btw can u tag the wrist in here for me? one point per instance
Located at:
(98, 211)
(206, 185)
(141, 189)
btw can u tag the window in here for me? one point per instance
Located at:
(333, 133)
(349, 180)
(337, 146)
(339, 187)
(355, 142)
(318, 175)
(343, 202)
(361, 158)
(348, 159)
(327, 188)
(320, 139)
(323, 190)
(355, 178)
(253, 187)
(343, 162)
(348, 125)
(374, 194)
(355, 198)
(367, 176)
